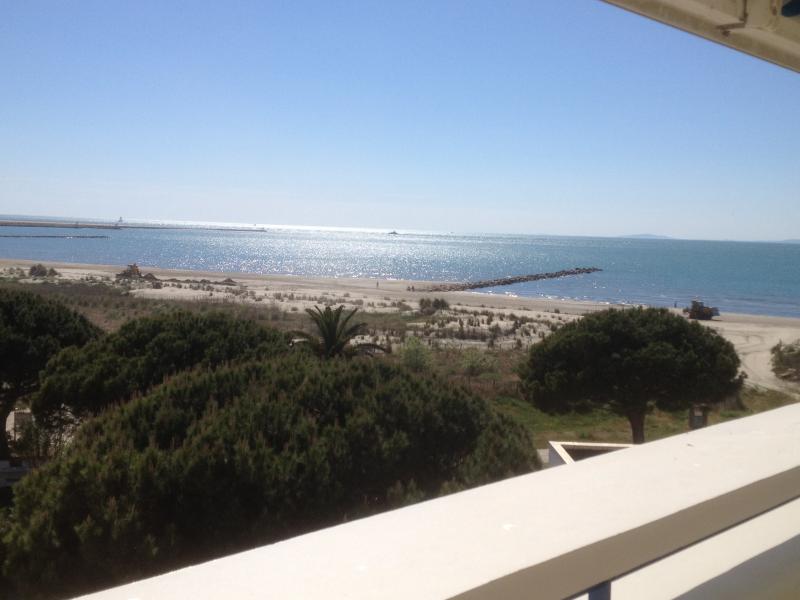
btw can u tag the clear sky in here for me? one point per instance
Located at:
(568, 117)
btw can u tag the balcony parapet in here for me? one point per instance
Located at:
(550, 534)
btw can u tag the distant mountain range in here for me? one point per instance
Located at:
(653, 236)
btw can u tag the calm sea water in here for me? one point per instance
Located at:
(747, 277)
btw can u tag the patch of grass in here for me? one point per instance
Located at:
(595, 426)
(754, 400)
(602, 426)
(110, 306)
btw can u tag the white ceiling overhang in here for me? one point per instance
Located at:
(768, 29)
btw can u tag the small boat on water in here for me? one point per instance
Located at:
(393, 232)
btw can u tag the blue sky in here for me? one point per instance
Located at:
(497, 116)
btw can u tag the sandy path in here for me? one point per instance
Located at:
(754, 336)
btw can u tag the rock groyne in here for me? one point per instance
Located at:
(474, 285)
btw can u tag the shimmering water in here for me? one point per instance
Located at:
(748, 277)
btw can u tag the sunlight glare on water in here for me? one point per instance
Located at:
(750, 277)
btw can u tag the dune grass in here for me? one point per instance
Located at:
(495, 379)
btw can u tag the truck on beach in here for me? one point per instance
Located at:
(698, 310)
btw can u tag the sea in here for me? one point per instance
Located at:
(743, 277)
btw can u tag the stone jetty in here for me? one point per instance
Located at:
(474, 285)
(59, 237)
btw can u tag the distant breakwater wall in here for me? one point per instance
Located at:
(58, 224)
(79, 225)
(60, 237)
(474, 285)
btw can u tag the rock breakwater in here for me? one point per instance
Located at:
(474, 285)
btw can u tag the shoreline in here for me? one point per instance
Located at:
(625, 283)
(423, 287)
(752, 335)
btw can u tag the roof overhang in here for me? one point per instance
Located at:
(767, 29)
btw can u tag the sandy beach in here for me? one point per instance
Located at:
(752, 335)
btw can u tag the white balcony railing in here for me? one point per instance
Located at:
(700, 513)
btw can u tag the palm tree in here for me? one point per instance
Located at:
(335, 333)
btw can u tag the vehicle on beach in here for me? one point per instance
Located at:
(698, 310)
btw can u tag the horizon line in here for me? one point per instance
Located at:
(243, 226)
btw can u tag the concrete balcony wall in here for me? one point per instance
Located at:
(757, 559)
(551, 534)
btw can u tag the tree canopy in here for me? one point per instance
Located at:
(32, 330)
(216, 461)
(630, 361)
(142, 353)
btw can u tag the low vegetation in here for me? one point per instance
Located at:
(111, 302)
(601, 425)
(786, 361)
(429, 306)
(39, 270)
(416, 356)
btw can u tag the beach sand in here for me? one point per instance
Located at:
(752, 335)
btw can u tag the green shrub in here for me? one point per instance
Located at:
(440, 304)
(475, 363)
(429, 306)
(214, 462)
(415, 355)
(786, 360)
(37, 270)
